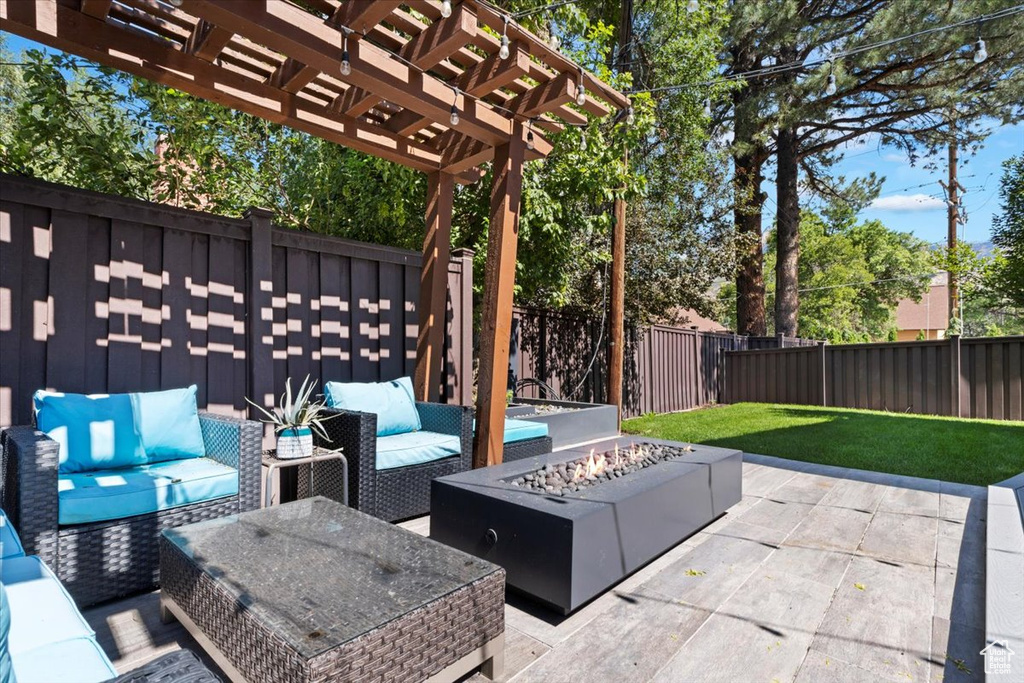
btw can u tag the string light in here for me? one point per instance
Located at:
(980, 53)
(455, 109)
(583, 140)
(446, 8)
(630, 117)
(177, 3)
(503, 52)
(692, 6)
(581, 91)
(707, 107)
(346, 65)
(529, 135)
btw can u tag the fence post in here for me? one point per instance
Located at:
(824, 377)
(955, 370)
(259, 311)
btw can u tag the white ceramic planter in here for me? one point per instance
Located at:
(296, 442)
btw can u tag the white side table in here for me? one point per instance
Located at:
(273, 463)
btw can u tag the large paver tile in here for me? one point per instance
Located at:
(819, 667)
(823, 566)
(804, 488)
(960, 594)
(628, 642)
(880, 619)
(760, 634)
(901, 538)
(778, 515)
(711, 572)
(764, 480)
(956, 652)
(910, 502)
(857, 495)
(520, 652)
(831, 528)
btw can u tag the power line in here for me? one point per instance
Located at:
(774, 69)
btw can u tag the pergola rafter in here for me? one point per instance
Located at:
(281, 60)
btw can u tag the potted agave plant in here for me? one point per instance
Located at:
(295, 419)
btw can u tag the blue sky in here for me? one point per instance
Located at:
(911, 198)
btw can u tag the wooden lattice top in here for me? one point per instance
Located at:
(282, 61)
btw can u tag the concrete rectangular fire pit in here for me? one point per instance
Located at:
(564, 548)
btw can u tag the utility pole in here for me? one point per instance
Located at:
(954, 218)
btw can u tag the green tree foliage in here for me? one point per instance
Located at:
(852, 276)
(1006, 278)
(914, 95)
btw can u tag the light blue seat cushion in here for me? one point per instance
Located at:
(94, 432)
(392, 402)
(80, 660)
(42, 612)
(168, 424)
(10, 544)
(6, 670)
(415, 448)
(520, 430)
(49, 640)
(115, 494)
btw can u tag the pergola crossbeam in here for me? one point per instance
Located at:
(281, 60)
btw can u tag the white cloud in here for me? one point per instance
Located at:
(908, 202)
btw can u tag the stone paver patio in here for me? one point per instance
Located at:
(818, 575)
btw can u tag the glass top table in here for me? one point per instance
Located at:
(318, 574)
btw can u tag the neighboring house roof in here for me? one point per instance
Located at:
(687, 317)
(930, 313)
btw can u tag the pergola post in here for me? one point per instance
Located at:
(617, 304)
(496, 316)
(434, 284)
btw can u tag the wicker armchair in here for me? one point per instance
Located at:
(100, 561)
(401, 492)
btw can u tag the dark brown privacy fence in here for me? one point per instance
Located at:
(104, 294)
(665, 368)
(978, 378)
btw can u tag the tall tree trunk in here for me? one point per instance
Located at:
(748, 157)
(787, 294)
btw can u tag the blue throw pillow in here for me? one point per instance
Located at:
(168, 424)
(6, 670)
(95, 432)
(392, 401)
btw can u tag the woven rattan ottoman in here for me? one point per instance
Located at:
(315, 591)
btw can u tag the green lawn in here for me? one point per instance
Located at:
(968, 451)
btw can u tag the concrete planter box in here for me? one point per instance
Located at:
(579, 422)
(565, 550)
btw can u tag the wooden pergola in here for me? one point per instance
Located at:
(381, 77)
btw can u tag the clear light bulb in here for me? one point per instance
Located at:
(346, 66)
(692, 6)
(707, 108)
(446, 8)
(503, 52)
(630, 117)
(581, 94)
(583, 141)
(980, 53)
(830, 89)
(555, 42)
(176, 3)
(529, 140)
(455, 116)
